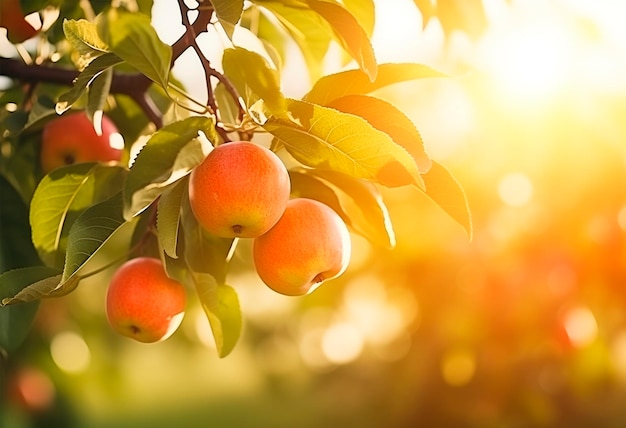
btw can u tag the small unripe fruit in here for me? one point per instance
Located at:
(143, 303)
(309, 245)
(240, 190)
(71, 138)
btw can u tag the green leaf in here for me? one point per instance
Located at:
(273, 36)
(349, 33)
(38, 290)
(321, 137)
(89, 233)
(333, 86)
(168, 217)
(358, 202)
(61, 196)
(43, 108)
(221, 305)
(229, 111)
(228, 12)
(203, 252)
(84, 79)
(170, 154)
(84, 38)
(309, 31)
(16, 248)
(98, 93)
(16, 321)
(305, 185)
(386, 117)
(254, 79)
(132, 37)
(443, 188)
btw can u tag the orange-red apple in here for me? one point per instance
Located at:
(72, 138)
(309, 245)
(240, 190)
(143, 303)
(12, 18)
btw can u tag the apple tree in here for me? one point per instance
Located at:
(340, 143)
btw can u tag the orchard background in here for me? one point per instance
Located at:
(524, 324)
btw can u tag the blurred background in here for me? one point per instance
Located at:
(523, 326)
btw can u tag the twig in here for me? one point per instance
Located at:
(135, 85)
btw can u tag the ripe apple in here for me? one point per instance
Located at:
(240, 190)
(30, 389)
(310, 244)
(143, 303)
(12, 18)
(72, 138)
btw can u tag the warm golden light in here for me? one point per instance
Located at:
(458, 367)
(581, 326)
(531, 62)
(538, 52)
(515, 189)
(70, 352)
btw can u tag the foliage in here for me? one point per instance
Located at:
(342, 143)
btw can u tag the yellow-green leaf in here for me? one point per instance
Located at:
(84, 38)
(349, 33)
(221, 305)
(131, 37)
(170, 154)
(168, 217)
(446, 192)
(228, 13)
(324, 138)
(385, 117)
(254, 78)
(61, 196)
(350, 82)
(16, 320)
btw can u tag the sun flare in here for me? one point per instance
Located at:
(547, 49)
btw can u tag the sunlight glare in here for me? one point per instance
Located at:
(342, 343)
(515, 189)
(530, 63)
(116, 141)
(70, 352)
(581, 326)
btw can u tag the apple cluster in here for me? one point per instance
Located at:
(242, 190)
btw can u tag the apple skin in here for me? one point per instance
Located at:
(12, 18)
(143, 303)
(71, 138)
(239, 190)
(310, 244)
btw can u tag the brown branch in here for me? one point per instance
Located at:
(135, 85)
(200, 25)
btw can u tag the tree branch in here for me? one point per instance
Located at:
(135, 85)
(200, 25)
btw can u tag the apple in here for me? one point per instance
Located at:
(12, 18)
(143, 303)
(72, 138)
(310, 244)
(239, 190)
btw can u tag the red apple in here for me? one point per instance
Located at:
(143, 303)
(72, 138)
